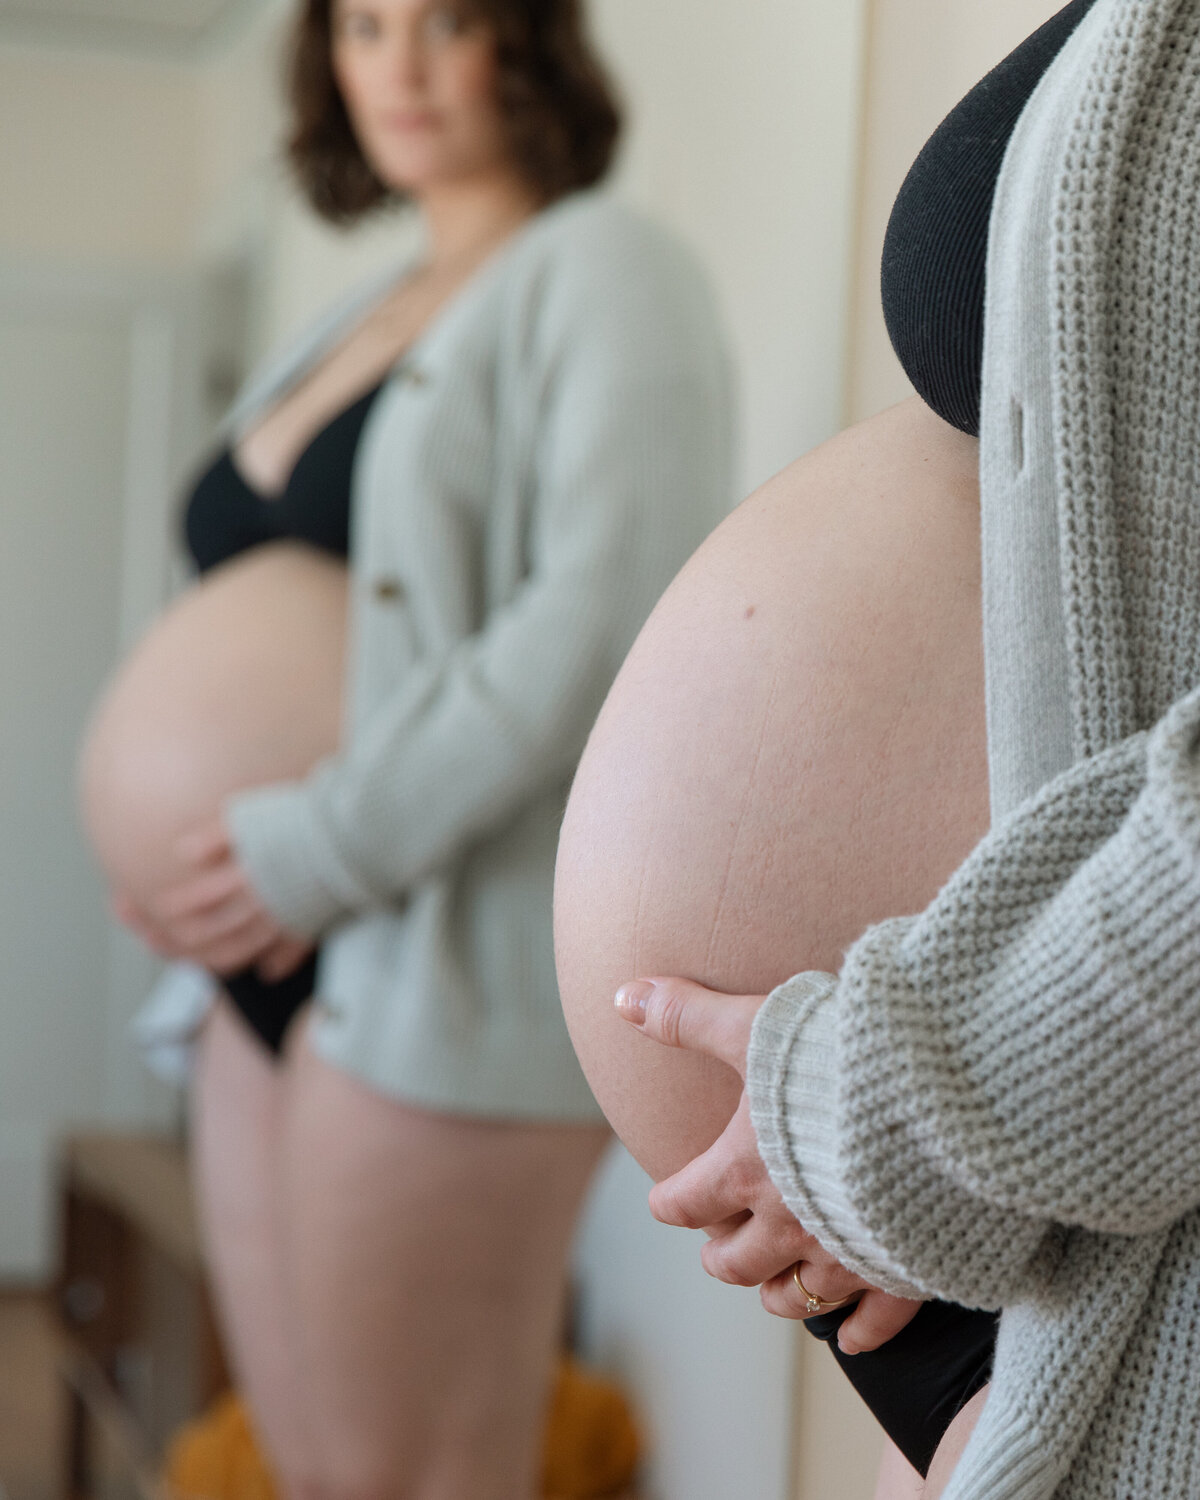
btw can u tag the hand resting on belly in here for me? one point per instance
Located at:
(238, 683)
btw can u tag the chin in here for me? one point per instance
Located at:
(415, 169)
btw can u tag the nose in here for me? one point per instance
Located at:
(404, 55)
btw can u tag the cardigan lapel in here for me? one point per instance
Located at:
(1092, 158)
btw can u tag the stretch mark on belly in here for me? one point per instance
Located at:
(637, 916)
(747, 792)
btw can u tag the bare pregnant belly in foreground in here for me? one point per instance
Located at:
(239, 682)
(794, 749)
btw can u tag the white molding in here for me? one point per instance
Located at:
(164, 426)
(27, 1225)
(119, 37)
(169, 337)
(149, 471)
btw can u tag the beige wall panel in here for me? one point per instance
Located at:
(241, 127)
(98, 158)
(922, 57)
(838, 1443)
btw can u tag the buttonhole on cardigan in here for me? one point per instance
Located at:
(389, 590)
(1018, 435)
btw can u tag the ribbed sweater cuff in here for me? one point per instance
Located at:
(282, 845)
(792, 1080)
(1008, 1457)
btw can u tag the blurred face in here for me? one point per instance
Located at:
(418, 78)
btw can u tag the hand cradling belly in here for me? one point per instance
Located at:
(794, 749)
(239, 682)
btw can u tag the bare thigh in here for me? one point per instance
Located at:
(237, 1120)
(951, 1448)
(898, 1480)
(427, 1262)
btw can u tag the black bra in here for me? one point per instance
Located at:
(225, 515)
(935, 251)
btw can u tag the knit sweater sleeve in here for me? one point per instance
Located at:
(1018, 1059)
(630, 463)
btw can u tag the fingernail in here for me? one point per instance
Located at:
(632, 1000)
(848, 1348)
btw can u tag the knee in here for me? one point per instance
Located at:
(301, 1484)
(331, 1478)
(334, 1487)
(363, 1481)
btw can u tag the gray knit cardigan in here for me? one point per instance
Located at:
(998, 1101)
(535, 470)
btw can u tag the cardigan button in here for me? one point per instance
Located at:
(413, 375)
(389, 590)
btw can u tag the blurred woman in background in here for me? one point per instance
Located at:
(489, 464)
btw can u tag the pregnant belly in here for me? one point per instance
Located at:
(794, 749)
(238, 683)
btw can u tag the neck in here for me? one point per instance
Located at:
(467, 219)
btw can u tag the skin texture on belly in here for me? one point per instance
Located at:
(239, 682)
(794, 749)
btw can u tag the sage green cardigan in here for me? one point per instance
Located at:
(998, 1101)
(536, 470)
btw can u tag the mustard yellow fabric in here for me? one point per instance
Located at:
(590, 1451)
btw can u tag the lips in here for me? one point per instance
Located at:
(408, 121)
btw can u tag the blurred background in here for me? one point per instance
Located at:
(151, 249)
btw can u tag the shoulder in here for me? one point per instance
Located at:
(303, 348)
(594, 227)
(595, 261)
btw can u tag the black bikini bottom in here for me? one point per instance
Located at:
(269, 1009)
(918, 1382)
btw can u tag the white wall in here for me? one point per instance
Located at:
(59, 571)
(745, 138)
(92, 399)
(105, 187)
(99, 158)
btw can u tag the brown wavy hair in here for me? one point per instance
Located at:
(560, 109)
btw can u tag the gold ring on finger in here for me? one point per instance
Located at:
(813, 1303)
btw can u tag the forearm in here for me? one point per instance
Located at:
(979, 1074)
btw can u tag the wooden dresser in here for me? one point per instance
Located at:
(142, 1353)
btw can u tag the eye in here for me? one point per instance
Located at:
(354, 23)
(444, 22)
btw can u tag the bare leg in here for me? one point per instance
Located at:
(237, 1115)
(898, 1480)
(950, 1449)
(427, 1256)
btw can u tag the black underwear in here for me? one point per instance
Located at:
(918, 1382)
